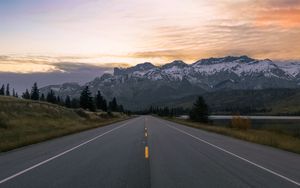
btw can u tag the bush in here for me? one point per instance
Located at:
(238, 122)
(82, 113)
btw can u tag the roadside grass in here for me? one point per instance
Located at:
(266, 137)
(25, 122)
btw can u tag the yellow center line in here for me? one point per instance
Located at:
(146, 152)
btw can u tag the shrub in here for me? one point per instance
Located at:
(238, 122)
(82, 113)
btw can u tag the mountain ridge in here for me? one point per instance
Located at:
(145, 84)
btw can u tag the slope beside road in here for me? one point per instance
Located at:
(177, 156)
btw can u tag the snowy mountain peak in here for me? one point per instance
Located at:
(176, 63)
(139, 67)
(227, 59)
(144, 66)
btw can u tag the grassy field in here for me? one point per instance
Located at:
(260, 136)
(24, 122)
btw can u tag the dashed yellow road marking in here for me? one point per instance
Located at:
(146, 152)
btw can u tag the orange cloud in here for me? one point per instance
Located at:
(281, 17)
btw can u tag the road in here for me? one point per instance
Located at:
(176, 156)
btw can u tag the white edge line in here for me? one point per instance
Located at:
(58, 155)
(237, 156)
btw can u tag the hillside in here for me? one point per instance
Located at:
(267, 101)
(24, 122)
(289, 105)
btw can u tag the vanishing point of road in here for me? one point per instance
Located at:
(148, 152)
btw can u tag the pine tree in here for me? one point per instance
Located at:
(26, 94)
(86, 99)
(120, 108)
(58, 101)
(2, 90)
(104, 105)
(14, 93)
(68, 102)
(35, 93)
(113, 105)
(100, 102)
(199, 111)
(7, 90)
(75, 103)
(51, 97)
(42, 98)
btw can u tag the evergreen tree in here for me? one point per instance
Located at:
(26, 94)
(104, 105)
(7, 90)
(75, 103)
(120, 108)
(58, 101)
(100, 102)
(51, 97)
(35, 93)
(113, 105)
(86, 99)
(42, 97)
(68, 102)
(14, 93)
(199, 111)
(2, 90)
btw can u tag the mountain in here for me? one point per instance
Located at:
(145, 84)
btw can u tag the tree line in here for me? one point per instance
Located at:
(5, 90)
(85, 101)
(199, 111)
(165, 111)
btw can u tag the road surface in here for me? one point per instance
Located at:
(148, 152)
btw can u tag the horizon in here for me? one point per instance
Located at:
(81, 73)
(39, 36)
(55, 41)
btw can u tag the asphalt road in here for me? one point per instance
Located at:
(176, 156)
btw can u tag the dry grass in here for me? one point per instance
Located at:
(24, 122)
(238, 122)
(270, 138)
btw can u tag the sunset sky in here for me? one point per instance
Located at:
(38, 35)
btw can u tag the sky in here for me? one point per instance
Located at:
(55, 36)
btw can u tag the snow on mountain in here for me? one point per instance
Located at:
(179, 78)
(240, 66)
(291, 68)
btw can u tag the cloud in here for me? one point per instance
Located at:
(61, 72)
(268, 13)
(281, 17)
(221, 38)
(279, 3)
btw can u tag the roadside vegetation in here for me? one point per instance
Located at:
(24, 122)
(36, 118)
(261, 136)
(286, 137)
